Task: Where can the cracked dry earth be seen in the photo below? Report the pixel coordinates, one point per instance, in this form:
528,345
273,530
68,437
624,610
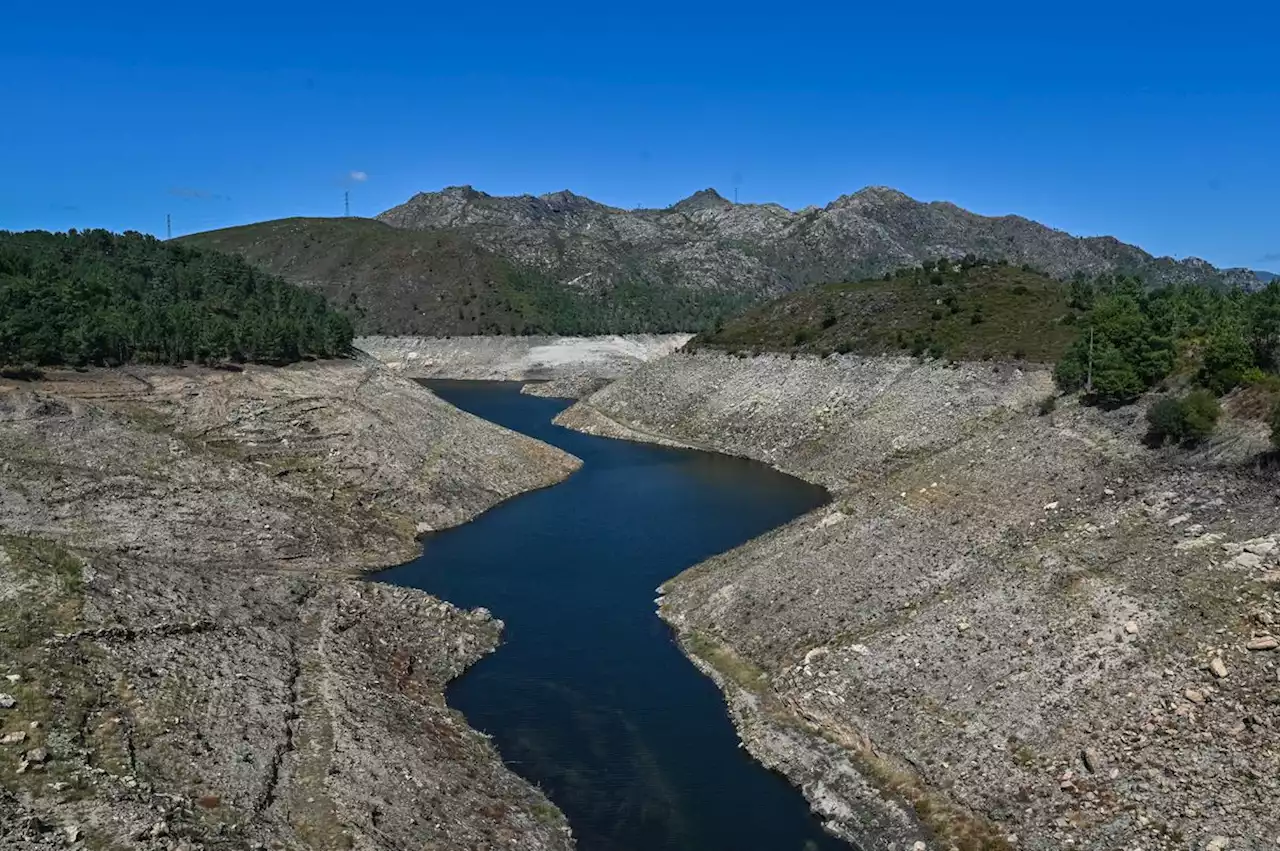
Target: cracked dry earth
1007,630
189,660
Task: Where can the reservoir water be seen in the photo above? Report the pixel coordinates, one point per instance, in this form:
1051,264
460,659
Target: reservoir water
589,696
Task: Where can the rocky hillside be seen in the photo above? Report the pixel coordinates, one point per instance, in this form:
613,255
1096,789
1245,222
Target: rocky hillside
708,242
961,311
442,282
189,660
460,261
1012,629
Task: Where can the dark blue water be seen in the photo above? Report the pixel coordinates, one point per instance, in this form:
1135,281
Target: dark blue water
589,696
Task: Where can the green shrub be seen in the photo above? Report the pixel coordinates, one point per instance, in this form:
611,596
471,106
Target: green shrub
1201,411
1227,355
1187,420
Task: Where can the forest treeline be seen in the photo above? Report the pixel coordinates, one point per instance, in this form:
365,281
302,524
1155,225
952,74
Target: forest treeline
96,297
1131,339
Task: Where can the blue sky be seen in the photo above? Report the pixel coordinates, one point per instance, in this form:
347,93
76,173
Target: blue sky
1157,125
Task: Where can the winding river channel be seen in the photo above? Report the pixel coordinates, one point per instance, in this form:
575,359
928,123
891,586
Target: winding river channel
589,696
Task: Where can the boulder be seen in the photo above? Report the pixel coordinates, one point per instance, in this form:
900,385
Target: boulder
1262,642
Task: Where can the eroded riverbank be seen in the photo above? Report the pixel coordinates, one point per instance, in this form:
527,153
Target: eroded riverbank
190,661
570,365
1009,630
589,696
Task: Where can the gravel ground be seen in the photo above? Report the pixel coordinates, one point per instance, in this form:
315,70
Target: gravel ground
189,660
520,358
1008,630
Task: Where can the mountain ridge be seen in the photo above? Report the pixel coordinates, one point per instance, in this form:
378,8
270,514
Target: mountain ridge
699,241
462,261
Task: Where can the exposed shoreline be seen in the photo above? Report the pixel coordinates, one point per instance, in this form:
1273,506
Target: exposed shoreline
243,688
963,519
1002,633
572,360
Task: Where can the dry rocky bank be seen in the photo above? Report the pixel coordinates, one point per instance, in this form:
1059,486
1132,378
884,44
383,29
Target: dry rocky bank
189,660
568,367
1007,630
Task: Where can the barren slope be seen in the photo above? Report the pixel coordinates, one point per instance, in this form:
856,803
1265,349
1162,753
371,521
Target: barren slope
1003,632
190,664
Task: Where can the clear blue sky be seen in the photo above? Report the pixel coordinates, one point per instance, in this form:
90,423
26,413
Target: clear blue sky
1157,125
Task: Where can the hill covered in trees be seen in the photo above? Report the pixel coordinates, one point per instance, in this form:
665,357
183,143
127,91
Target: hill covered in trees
95,297
394,281
460,261
966,309
1132,339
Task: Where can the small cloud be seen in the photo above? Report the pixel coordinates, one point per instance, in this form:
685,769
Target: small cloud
359,176
196,194
1273,257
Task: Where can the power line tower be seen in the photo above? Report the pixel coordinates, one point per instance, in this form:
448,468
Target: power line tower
168,226
346,203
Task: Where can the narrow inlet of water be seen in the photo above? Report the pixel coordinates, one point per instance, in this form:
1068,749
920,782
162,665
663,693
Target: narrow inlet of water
589,696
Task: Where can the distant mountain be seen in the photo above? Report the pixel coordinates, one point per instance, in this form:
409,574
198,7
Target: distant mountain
709,242
1265,277
461,261
394,281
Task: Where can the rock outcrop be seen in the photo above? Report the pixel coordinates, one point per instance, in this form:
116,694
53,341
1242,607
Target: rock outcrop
1008,630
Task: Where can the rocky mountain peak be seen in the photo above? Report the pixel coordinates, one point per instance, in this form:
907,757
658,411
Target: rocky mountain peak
703,199
885,193
754,250
566,201
466,192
